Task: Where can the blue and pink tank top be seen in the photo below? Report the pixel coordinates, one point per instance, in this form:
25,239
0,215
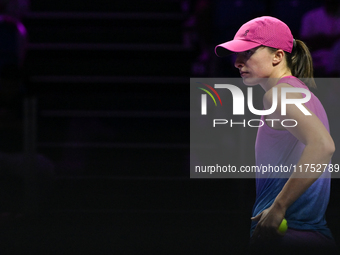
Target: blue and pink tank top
280,147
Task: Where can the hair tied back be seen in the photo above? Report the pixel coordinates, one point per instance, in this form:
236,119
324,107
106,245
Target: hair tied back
294,43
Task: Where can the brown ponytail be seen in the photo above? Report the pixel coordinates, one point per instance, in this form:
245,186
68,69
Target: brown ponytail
300,63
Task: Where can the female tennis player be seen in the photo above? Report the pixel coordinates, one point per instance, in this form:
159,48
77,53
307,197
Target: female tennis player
268,55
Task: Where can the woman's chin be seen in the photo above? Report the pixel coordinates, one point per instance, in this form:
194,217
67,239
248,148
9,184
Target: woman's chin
250,81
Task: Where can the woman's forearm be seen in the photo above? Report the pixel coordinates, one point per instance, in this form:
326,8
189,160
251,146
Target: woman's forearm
305,176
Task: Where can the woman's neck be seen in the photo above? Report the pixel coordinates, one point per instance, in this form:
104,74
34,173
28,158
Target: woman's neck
272,81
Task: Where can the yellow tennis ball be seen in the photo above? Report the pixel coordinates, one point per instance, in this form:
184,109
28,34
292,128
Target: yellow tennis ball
283,226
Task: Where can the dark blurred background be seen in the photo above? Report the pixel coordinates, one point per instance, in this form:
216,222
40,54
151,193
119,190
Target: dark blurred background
95,106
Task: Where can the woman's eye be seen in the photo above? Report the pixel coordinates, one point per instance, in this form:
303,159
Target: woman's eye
246,53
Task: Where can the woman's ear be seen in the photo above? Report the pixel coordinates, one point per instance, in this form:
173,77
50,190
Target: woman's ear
278,57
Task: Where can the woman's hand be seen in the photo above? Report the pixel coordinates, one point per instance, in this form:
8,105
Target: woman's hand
269,221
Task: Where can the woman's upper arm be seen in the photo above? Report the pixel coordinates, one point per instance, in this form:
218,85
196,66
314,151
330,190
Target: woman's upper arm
309,128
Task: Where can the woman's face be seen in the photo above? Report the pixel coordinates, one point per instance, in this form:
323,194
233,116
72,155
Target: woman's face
254,65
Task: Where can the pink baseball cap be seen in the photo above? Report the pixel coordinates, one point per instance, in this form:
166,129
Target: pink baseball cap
265,30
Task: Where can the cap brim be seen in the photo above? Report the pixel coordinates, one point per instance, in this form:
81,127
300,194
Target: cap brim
228,48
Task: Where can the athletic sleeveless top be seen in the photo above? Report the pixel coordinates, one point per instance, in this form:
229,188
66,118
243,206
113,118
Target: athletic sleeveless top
280,147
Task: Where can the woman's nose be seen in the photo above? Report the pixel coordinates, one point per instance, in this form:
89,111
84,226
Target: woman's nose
239,61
